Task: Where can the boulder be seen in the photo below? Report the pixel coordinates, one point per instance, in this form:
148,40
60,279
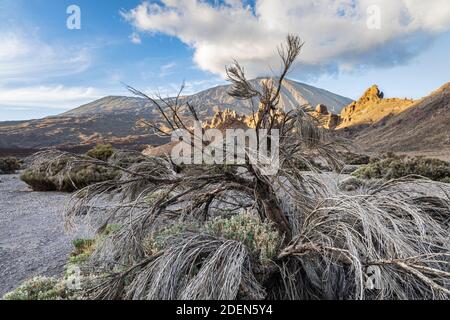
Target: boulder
333,121
321,109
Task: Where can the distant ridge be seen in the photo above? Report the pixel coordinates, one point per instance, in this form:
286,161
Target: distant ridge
293,94
115,119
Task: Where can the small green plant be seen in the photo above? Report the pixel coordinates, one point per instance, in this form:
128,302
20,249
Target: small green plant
9,165
259,237
83,250
40,288
101,152
85,247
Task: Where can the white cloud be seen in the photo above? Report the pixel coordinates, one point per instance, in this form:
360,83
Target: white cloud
335,32
166,69
53,96
135,38
25,58
168,66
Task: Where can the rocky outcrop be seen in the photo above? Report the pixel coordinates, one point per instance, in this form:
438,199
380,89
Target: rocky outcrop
327,119
371,108
333,121
227,119
321,109
372,94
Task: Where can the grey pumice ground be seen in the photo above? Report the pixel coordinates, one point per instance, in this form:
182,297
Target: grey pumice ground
32,237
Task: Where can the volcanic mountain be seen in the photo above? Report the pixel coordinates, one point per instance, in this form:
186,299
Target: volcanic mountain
117,119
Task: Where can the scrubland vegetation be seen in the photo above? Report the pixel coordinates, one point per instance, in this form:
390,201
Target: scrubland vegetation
231,232
54,170
392,166
9,165
40,288
101,152
351,158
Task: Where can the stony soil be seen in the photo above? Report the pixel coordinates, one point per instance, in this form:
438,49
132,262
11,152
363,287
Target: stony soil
32,237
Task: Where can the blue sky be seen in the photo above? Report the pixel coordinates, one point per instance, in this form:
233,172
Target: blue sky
46,68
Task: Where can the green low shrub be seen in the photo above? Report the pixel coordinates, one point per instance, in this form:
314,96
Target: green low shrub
394,167
83,250
101,152
63,177
54,170
40,288
259,237
9,165
64,172
126,158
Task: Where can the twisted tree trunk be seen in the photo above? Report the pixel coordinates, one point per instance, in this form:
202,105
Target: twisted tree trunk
267,200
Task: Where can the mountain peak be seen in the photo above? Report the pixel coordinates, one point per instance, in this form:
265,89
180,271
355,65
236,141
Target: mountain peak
293,95
372,94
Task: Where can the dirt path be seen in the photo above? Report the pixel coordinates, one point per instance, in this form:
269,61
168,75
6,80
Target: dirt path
32,237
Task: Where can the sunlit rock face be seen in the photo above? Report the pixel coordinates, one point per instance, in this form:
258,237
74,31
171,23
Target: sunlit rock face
322,109
371,108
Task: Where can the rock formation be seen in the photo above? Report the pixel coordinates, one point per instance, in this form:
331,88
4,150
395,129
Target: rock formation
371,108
227,119
327,119
321,109
333,121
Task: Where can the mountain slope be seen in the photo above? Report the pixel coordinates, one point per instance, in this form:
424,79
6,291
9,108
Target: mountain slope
293,94
371,108
423,127
110,104
115,119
